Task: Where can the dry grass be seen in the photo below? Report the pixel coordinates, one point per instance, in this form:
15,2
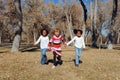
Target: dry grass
97,65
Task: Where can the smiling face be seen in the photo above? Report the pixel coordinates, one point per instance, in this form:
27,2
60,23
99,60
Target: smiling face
78,34
57,33
44,33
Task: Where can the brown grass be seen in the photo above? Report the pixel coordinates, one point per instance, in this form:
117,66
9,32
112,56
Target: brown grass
97,65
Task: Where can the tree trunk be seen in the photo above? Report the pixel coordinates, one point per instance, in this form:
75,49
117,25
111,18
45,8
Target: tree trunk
18,29
95,33
95,14
91,14
69,25
85,16
0,37
0,40
114,14
118,39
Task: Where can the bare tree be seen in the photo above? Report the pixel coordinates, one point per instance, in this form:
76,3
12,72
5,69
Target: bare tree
18,26
85,16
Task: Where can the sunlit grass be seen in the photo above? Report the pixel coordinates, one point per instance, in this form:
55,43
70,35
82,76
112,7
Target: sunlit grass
97,65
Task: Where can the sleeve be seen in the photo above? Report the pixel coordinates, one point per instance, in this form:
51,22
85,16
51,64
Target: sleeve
64,41
47,40
83,43
70,41
38,40
50,42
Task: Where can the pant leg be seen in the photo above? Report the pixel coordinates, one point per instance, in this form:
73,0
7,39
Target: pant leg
59,59
54,58
43,56
76,55
79,52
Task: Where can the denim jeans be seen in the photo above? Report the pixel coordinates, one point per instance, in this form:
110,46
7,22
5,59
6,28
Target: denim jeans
78,52
43,56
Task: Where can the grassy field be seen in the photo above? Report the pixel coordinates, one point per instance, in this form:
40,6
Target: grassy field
96,65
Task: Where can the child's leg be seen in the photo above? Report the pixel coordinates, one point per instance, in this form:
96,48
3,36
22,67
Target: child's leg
54,58
59,59
79,52
76,56
43,56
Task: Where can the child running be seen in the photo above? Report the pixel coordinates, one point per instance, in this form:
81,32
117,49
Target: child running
55,46
44,40
79,44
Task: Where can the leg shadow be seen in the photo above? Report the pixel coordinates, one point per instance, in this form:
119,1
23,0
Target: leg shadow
79,61
50,61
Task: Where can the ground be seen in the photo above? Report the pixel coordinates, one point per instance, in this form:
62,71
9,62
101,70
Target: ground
96,64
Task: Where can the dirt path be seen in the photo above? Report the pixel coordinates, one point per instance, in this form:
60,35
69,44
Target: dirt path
96,65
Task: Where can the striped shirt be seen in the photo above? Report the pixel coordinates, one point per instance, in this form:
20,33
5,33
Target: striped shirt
55,43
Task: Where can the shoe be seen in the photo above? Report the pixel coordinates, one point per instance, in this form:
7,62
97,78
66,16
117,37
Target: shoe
53,67
76,65
60,62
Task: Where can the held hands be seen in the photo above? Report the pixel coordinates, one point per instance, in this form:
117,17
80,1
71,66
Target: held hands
49,48
34,44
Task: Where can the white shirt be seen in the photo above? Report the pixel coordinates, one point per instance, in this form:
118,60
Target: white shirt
43,41
79,42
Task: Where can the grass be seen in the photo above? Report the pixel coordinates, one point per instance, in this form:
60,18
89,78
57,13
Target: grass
97,65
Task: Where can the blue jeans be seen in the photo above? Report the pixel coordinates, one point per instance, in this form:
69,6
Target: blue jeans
78,52
43,56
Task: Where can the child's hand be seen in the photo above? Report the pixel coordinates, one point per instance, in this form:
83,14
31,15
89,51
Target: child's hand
65,46
34,44
49,48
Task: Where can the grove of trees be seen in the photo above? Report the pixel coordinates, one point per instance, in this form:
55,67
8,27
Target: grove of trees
22,20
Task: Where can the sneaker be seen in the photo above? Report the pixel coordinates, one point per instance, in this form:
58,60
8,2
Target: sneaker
53,67
60,62
76,65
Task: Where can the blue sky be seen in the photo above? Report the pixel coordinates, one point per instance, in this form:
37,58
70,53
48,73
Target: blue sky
87,2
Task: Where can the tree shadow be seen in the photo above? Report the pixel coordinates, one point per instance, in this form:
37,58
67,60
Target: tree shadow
29,49
73,60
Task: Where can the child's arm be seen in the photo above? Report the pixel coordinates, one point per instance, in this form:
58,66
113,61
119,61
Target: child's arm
50,43
83,43
64,41
37,40
70,41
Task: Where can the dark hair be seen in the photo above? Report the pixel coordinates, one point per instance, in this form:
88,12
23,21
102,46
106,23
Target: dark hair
77,30
80,31
45,30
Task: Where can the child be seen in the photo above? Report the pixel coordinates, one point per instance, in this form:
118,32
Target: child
44,40
79,44
55,46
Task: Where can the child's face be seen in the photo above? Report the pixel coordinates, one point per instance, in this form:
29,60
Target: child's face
44,33
78,34
57,32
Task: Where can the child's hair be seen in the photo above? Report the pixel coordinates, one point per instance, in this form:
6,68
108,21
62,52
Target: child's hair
80,31
57,29
77,30
45,30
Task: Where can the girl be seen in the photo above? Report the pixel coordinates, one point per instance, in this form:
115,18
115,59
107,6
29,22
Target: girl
79,44
55,46
44,40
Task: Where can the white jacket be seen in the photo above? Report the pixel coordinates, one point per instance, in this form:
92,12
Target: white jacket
79,42
43,41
